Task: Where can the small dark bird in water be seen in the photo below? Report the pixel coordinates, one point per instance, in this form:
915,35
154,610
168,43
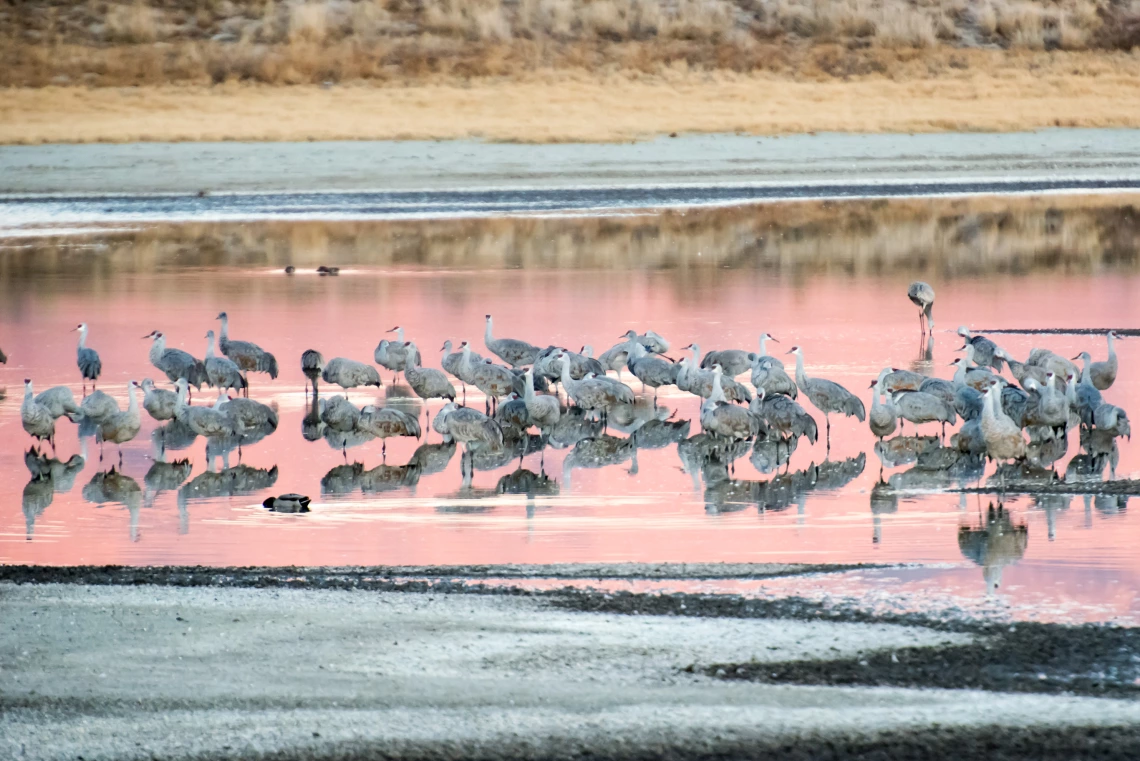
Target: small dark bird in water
288,503
323,270
290,270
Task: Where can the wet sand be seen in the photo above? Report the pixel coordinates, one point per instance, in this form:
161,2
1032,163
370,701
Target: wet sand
158,671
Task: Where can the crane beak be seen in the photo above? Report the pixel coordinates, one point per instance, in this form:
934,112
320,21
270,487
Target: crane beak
393,330
773,340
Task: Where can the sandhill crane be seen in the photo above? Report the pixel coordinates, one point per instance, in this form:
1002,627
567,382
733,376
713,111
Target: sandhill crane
1003,437
1053,407
918,408
974,377
427,382
88,359
922,296
985,351
1052,362
884,417
827,396
454,364
733,362
122,426
784,415
544,411
175,363
339,414
250,414
650,370
653,343
1022,371
393,355
512,416
512,351
696,381
312,365
548,365
1100,374
724,419
495,381
348,373
615,357
204,421
469,427
1083,397
594,393
900,380
97,407
36,417
383,422
249,357
60,401
768,372
940,387
159,403
223,372
1112,419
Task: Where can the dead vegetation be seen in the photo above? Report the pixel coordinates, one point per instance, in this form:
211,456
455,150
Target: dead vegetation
315,41
936,238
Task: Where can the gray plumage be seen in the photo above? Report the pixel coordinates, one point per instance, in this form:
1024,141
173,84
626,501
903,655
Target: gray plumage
1084,398
249,357
943,389
384,422
732,361
543,411
827,396
700,382
98,406
884,416
339,414
430,459
495,381
287,503
59,401
784,415
768,373
651,370
469,427
901,380
122,426
222,372
548,364
653,343
969,438
250,414
918,408
62,474
512,416
453,362
968,402
985,351
348,373
977,378
512,351
572,427
922,296
88,359
595,393
35,417
160,403
427,382
1112,419
204,421
1100,375
1021,371
1052,362
393,355
175,363
312,365
729,420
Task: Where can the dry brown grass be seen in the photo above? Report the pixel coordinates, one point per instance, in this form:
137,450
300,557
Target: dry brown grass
124,42
1037,90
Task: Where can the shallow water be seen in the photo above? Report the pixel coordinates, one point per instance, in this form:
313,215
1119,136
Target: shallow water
1077,563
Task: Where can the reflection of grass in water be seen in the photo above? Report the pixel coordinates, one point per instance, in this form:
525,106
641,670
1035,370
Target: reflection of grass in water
948,237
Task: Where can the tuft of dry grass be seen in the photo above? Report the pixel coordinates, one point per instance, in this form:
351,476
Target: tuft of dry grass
125,42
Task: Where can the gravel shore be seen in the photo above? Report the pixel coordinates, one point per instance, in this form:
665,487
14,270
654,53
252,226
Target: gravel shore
126,671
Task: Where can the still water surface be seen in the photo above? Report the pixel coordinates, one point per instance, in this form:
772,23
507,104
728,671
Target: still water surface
1078,560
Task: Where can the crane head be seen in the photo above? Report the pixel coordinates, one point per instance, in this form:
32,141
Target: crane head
222,316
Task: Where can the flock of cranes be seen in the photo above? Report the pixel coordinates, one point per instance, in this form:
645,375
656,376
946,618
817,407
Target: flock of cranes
747,398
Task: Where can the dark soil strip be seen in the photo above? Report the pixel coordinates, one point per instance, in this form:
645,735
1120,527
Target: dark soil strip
368,575
993,743
1100,662
1062,331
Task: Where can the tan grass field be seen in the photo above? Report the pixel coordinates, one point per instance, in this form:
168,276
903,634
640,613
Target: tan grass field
578,106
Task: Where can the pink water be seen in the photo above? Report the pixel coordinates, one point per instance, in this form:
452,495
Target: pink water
849,329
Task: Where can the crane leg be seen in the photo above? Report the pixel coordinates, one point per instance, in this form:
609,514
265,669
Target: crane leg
828,419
